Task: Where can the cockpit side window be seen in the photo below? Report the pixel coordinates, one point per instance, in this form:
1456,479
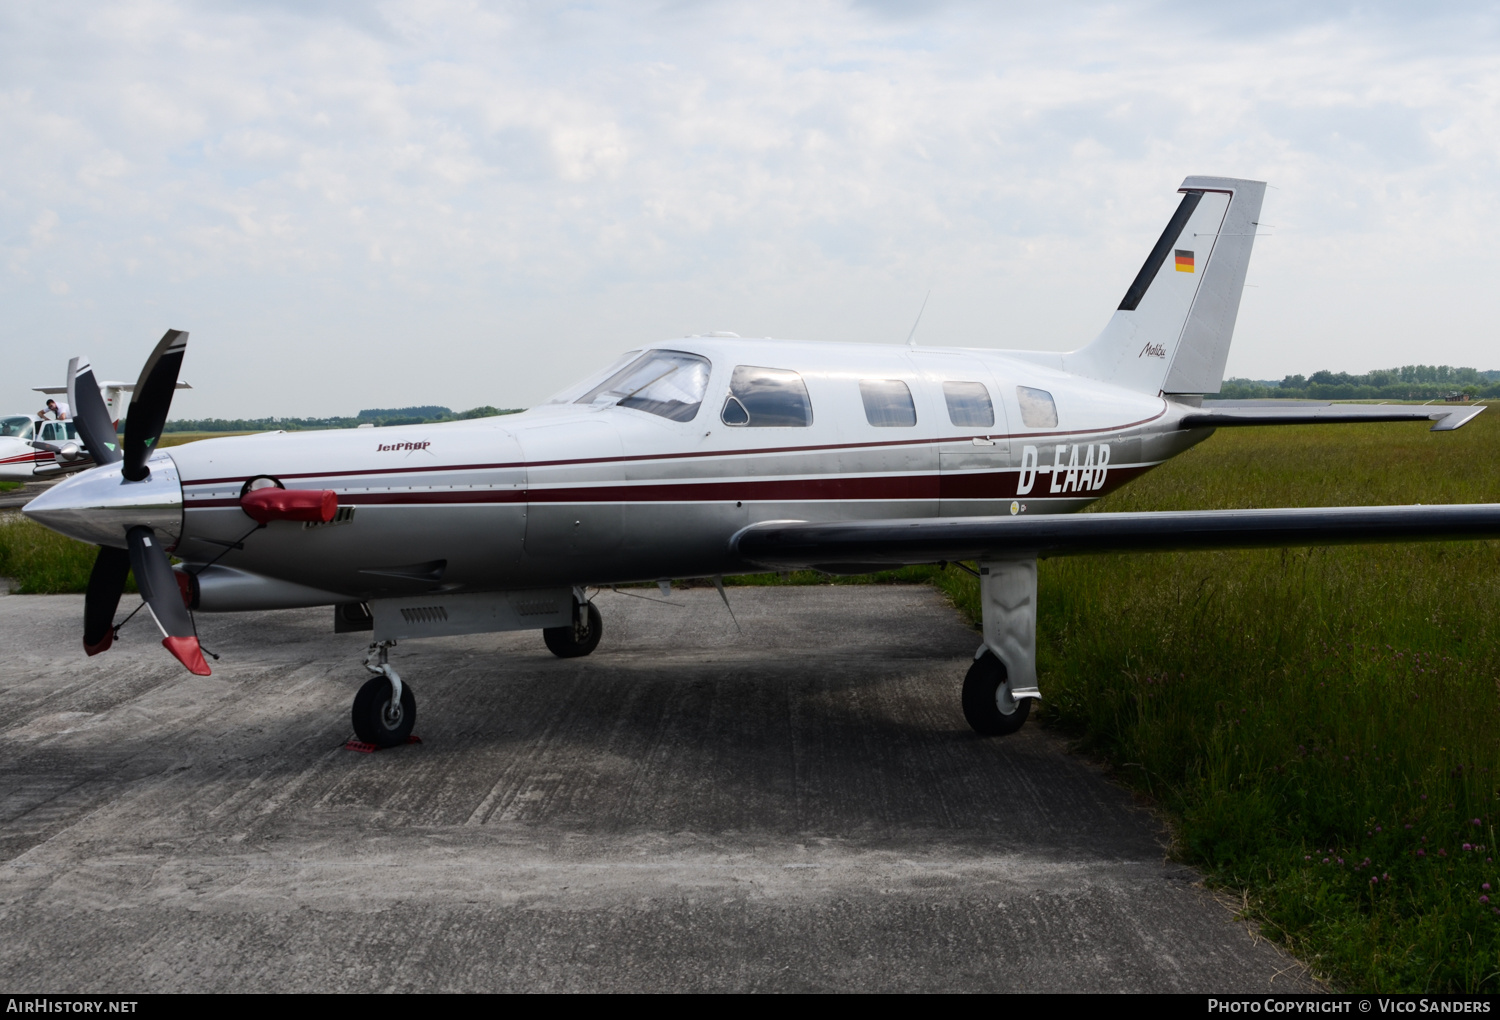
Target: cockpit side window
18,427
888,403
766,398
969,404
666,383
1038,410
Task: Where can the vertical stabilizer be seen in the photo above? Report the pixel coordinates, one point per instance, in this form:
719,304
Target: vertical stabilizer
1171,332
116,397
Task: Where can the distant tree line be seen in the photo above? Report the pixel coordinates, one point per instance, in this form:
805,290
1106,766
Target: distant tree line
1411,382
380,417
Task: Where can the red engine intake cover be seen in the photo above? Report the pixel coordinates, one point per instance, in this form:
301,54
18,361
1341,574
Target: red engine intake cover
273,504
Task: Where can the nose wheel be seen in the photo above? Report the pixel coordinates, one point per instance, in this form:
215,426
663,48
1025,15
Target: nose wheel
384,709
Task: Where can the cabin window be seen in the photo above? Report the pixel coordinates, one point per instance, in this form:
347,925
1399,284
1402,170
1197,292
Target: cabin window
15,428
1038,410
969,404
666,383
888,403
766,398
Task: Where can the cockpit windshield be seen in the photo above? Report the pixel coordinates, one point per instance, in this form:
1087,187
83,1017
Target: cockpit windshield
666,383
18,427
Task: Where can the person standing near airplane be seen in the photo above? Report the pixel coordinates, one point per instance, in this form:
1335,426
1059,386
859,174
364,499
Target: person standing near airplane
52,412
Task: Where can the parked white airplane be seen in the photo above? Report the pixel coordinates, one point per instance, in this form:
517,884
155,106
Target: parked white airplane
710,456
34,447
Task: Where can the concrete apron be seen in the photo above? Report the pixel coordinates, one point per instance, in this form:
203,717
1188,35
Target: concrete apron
797,805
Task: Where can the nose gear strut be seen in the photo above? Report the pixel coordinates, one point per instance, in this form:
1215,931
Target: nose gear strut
380,652
384,709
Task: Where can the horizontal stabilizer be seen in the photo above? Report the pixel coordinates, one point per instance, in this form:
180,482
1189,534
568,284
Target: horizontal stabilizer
127,387
1448,417
859,546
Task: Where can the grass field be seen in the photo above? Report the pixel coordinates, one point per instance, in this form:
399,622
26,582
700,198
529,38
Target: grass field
1321,727
178,438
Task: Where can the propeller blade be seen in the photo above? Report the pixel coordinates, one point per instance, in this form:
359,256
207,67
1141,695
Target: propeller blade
106,582
159,588
150,403
90,414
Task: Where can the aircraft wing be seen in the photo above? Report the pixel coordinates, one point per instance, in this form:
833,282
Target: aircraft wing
1447,416
861,546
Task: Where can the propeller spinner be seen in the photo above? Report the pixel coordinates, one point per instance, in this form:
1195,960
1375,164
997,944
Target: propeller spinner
130,505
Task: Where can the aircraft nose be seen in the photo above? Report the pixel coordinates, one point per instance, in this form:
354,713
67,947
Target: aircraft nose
99,505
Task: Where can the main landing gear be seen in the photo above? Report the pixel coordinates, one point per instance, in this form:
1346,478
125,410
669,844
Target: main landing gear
988,703
579,637
384,709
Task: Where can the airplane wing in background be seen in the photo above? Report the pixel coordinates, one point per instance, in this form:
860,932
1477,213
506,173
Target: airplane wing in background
863,546
1219,414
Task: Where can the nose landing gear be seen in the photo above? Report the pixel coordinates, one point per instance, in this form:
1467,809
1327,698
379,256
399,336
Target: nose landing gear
384,709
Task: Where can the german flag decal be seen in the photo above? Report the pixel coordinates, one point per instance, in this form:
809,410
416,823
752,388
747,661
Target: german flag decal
1184,261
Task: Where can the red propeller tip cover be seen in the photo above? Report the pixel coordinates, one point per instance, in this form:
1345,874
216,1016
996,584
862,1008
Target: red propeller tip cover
103,644
273,504
187,652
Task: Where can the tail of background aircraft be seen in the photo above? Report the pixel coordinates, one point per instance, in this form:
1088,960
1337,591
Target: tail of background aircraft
1171,333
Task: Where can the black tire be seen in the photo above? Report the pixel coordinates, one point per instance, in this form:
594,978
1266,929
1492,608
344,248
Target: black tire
988,706
571,641
372,720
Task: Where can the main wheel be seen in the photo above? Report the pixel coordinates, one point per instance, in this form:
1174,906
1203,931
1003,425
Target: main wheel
988,706
377,719
573,640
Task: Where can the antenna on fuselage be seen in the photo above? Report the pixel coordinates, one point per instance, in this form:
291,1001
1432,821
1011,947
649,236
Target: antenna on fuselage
911,338
718,580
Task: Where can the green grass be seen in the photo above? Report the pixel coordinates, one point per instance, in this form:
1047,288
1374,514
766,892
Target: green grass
42,562
179,438
10,486
1287,707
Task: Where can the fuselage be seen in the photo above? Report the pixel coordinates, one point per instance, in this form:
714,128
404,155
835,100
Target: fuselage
22,460
600,493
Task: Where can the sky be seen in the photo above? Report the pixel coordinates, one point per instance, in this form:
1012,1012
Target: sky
357,204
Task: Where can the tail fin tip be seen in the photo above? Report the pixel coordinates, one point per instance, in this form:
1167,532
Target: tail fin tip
1171,333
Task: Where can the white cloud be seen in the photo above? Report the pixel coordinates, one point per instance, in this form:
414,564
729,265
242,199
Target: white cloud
354,205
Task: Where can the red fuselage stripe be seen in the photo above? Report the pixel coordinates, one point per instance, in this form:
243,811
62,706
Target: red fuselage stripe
969,485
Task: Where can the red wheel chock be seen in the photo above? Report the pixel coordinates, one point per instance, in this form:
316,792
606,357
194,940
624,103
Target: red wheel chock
364,748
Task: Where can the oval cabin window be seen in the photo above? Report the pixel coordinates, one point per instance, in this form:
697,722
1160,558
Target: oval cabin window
1038,410
969,404
888,403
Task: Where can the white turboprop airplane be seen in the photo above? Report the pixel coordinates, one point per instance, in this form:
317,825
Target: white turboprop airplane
33,447
709,456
